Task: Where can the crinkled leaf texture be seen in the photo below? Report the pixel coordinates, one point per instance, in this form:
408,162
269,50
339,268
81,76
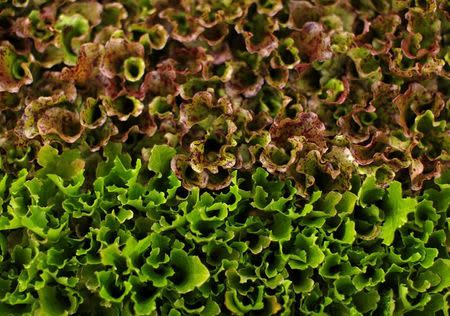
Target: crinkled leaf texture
130,240
224,157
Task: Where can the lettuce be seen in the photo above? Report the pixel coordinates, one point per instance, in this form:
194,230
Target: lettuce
134,240
204,157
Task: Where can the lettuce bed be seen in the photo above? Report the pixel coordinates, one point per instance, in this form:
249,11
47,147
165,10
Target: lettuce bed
248,157
134,242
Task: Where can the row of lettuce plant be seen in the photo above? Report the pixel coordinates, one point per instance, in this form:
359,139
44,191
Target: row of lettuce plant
310,82
123,237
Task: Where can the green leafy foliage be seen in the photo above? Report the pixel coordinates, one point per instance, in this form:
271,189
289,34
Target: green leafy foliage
128,243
